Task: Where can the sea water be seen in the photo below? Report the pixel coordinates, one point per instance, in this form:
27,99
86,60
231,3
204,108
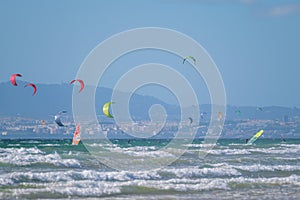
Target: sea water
54,169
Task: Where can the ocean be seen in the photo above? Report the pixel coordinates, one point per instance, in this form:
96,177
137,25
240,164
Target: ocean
54,169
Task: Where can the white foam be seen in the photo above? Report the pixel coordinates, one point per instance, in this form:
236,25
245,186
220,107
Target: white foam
117,147
259,167
21,150
280,149
151,154
87,183
272,150
108,145
290,145
49,145
74,175
28,156
141,148
15,177
193,172
72,188
276,150
13,145
184,184
290,180
30,141
229,151
117,176
199,145
286,158
148,151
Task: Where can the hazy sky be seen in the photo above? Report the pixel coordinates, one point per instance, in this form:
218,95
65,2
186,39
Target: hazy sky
255,43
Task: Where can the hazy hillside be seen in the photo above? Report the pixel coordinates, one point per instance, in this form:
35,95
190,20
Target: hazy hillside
51,98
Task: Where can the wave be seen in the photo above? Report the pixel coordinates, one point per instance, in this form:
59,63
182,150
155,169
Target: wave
72,175
290,145
14,145
259,167
92,188
48,145
79,176
151,154
199,145
137,151
221,183
229,151
251,150
276,150
115,176
28,156
115,146
63,189
21,150
193,172
30,141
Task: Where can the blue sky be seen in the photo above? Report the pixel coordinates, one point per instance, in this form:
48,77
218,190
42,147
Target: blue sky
254,43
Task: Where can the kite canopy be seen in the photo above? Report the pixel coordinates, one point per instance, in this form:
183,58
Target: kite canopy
13,79
259,108
32,85
81,83
238,112
57,118
191,120
105,109
189,57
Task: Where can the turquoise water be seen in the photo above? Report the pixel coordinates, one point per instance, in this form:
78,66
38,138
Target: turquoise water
54,169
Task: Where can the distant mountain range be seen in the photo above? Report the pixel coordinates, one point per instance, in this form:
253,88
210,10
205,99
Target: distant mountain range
51,98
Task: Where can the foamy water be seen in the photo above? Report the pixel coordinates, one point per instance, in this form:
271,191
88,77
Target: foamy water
55,169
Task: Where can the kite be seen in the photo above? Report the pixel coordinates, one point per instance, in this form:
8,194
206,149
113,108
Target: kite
105,109
191,57
238,112
259,108
191,120
57,118
13,79
34,87
81,83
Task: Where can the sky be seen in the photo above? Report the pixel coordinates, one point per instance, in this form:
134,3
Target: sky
254,43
